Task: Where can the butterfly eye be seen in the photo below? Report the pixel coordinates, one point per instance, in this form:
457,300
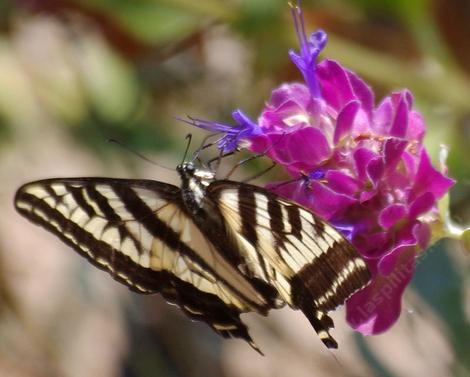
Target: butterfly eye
190,168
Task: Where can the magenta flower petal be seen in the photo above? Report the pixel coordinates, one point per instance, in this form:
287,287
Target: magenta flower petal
314,195
421,205
362,92
410,162
260,143
383,117
415,235
362,158
335,85
345,120
308,145
429,179
400,122
393,151
296,191
279,153
299,149
290,106
390,215
375,169
375,308
406,94
422,234
326,202
416,127
388,262
372,245
342,183
297,93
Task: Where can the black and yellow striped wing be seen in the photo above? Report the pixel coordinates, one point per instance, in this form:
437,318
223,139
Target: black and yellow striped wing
243,249
310,264
140,232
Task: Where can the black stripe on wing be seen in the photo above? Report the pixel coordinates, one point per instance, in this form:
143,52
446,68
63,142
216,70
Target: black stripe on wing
247,209
54,213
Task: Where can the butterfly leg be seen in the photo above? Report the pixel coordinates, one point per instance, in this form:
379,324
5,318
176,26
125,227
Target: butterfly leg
257,175
258,155
218,159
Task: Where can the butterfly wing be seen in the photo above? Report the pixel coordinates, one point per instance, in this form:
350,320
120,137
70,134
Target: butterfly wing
140,232
313,267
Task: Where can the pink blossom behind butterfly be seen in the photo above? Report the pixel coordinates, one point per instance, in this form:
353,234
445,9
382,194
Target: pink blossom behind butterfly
361,166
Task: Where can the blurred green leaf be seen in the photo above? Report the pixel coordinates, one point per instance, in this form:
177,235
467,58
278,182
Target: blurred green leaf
450,88
111,83
161,22
373,362
263,24
466,240
389,9
5,130
439,283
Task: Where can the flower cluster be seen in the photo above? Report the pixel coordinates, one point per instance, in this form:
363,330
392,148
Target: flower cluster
361,167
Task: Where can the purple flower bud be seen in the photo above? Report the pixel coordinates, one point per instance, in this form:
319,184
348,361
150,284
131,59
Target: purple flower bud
309,51
232,135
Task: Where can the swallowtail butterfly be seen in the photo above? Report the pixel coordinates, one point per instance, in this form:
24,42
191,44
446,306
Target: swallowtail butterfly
216,248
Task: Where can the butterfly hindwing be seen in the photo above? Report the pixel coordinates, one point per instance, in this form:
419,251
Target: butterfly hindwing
140,233
313,267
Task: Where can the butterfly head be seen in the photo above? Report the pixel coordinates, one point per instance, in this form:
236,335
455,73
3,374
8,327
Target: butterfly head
186,169
188,172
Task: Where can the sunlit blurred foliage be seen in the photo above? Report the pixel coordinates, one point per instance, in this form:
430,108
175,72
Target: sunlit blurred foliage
76,73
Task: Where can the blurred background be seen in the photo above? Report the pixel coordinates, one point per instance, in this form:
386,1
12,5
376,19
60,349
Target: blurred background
74,73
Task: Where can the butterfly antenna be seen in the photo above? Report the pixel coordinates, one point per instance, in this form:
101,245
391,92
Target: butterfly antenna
189,138
134,152
205,145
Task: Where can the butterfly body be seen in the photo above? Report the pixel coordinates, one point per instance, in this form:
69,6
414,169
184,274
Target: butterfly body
216,248
193,185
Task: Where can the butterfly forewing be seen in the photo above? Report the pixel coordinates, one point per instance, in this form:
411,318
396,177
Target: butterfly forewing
140,232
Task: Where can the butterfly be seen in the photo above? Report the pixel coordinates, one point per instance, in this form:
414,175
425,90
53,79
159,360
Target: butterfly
215,248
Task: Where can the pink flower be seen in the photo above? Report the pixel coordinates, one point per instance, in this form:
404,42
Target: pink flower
359,166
